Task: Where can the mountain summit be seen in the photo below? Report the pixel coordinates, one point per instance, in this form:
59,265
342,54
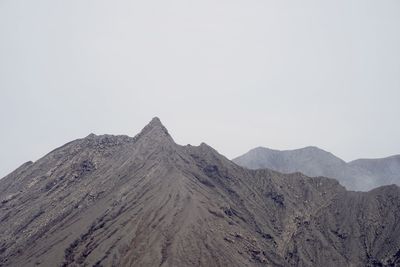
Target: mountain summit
155,126
147,201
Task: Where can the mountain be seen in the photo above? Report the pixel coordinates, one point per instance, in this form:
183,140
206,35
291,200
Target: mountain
383,171
359,175
147,201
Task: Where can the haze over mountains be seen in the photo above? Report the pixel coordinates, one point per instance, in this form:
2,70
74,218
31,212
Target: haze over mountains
359,175
147,201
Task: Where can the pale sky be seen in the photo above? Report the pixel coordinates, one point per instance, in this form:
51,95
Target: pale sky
234,74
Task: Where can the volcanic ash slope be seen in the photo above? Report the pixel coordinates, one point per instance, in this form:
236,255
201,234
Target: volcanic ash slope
146,201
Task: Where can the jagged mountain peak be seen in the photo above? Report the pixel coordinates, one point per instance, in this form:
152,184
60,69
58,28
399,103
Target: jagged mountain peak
155,130
156,123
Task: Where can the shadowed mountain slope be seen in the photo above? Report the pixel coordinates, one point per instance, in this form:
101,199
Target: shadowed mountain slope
359,175
146,201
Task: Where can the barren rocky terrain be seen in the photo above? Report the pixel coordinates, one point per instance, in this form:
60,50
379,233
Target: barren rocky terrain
357,175
147,201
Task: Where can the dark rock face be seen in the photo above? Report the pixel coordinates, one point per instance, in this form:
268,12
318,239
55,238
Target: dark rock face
146,201
358,175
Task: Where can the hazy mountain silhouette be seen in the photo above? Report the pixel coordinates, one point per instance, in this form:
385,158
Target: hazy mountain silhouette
358,175
146,201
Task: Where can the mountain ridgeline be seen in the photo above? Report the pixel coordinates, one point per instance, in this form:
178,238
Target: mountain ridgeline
358,175
147,201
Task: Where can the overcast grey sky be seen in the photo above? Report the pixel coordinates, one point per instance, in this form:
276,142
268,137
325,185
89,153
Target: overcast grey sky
233,73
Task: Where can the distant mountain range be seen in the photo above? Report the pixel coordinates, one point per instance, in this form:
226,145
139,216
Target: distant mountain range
146,201
359,175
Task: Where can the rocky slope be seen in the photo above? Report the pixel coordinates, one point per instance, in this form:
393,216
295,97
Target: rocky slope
146,201
358,175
